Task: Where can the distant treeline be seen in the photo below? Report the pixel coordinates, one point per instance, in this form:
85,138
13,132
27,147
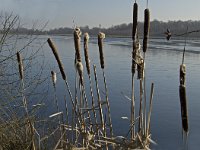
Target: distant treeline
157,29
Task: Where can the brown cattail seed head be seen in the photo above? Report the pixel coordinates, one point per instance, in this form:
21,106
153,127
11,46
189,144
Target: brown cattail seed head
146,28
87,61
20,63
54,78
55,52
184,112
79,67
182,74
101,36
135,20
77,40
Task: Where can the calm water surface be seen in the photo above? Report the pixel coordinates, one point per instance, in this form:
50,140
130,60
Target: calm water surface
162,68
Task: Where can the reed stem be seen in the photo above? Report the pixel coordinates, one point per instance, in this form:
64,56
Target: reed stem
140,126
132,110
150,109
108,105
99,101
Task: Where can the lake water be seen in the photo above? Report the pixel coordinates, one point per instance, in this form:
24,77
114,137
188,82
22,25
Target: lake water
163,59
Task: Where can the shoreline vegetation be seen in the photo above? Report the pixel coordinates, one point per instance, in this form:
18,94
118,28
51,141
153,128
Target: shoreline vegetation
85,122
123,30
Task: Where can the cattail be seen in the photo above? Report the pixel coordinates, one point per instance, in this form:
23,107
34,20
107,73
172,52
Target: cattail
183,102
55,52
79,67
183,98
20,63
101,36
135,20
87,61
54,78
146,29
77,40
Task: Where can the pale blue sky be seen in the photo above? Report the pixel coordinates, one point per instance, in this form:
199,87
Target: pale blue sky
61,13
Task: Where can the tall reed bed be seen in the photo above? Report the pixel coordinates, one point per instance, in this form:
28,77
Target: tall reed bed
91,124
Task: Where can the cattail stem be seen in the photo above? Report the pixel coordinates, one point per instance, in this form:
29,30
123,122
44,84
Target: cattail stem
99,101
140,109
145,102
132,110
77,112
93,104
150,109
108,105
86,102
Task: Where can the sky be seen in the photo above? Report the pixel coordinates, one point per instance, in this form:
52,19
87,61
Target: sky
66,13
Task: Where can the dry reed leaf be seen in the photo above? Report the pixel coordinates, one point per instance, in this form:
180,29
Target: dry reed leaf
56,114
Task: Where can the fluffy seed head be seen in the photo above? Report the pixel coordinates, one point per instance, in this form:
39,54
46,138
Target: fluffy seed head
79,67
102,35
86,36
